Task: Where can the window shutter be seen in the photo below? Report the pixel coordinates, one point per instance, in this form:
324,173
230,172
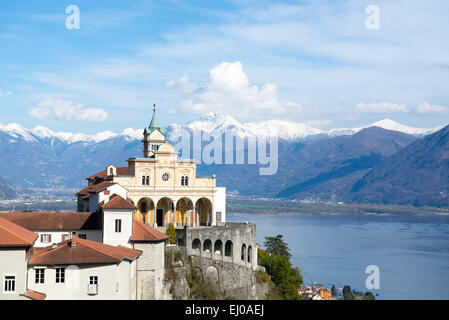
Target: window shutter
42,238
49,237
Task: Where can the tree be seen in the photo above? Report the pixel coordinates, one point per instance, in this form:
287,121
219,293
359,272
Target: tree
172,233
276,260
347,293
334,291
277,246
369,296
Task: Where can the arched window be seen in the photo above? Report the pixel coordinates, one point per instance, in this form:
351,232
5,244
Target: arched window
143,180
186,181
218,247
148,180
196,244
207,245
250,253
182,180
243,252
111,171
228,248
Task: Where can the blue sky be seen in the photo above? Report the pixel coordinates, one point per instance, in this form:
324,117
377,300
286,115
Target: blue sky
306,61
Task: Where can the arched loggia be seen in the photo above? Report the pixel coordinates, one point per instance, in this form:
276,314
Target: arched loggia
204,209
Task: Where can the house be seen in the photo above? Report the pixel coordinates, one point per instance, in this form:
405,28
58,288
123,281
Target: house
16,244
82,269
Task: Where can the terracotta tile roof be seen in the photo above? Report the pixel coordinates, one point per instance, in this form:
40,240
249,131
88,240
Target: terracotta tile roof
85,252
34,295
144,233
13,235
55,220
121,171
95,187
117,202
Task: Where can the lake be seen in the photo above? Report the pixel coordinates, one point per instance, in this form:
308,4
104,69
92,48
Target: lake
412,253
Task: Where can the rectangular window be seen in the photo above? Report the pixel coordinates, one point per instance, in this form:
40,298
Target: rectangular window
45,238
39,275
92,288
60,275
118,225
82,236
9,284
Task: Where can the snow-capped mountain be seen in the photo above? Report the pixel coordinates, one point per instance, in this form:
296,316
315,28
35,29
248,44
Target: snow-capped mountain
310,159
211,123
215,123
386,124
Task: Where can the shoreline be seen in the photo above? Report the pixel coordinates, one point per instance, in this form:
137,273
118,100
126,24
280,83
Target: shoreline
289,207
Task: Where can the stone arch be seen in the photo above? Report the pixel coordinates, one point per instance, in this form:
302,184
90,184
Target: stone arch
212,275
228,248
243,252
218,247
196,244
207,245
204,208
250,254
145,211
184,210
164,211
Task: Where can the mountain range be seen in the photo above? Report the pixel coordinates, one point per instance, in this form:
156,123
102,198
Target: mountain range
418,175
332,164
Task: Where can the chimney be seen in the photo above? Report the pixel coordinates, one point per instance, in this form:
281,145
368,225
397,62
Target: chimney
106,195
73,242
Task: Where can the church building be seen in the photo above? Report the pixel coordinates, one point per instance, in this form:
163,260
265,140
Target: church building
164,188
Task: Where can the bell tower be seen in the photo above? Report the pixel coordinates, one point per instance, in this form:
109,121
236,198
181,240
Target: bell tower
153,137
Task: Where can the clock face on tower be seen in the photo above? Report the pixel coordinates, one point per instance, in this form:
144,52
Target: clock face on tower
165,177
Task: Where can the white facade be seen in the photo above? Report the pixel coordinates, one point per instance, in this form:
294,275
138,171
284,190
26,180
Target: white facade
13,266
114,282
220,204
59,236
103,195
110,235
150,268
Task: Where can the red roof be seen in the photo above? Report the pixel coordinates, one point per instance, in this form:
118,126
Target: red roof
117,202
121,171
13,235
95,187
34,295
85,252
55,220
144,233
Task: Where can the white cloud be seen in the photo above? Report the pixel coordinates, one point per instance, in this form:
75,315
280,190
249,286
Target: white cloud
382,107
66,110
5,93
425,108
228,90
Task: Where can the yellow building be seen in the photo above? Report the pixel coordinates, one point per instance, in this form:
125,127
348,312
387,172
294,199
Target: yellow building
326,294
164,188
